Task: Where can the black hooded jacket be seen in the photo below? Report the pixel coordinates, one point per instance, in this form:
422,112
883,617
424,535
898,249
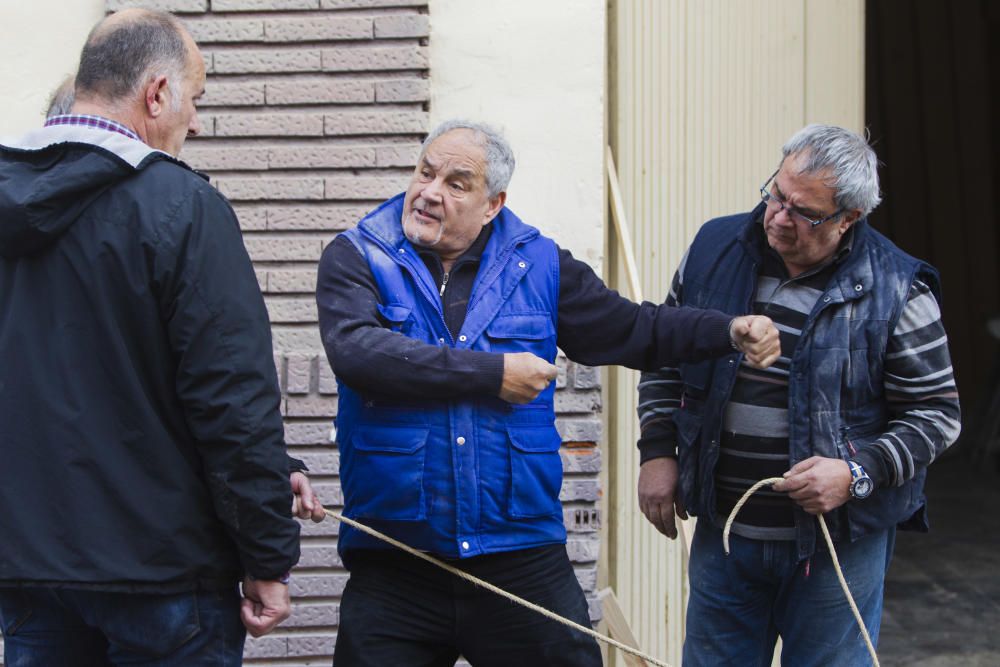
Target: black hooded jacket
141,444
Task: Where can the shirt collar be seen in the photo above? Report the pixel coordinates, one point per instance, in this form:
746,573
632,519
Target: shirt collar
98,122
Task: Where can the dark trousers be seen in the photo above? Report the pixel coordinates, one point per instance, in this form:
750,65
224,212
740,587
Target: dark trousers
77,628
400,610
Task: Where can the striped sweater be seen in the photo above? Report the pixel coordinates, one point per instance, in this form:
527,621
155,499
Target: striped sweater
919,387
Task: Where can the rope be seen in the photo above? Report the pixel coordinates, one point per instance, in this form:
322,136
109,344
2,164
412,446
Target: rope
833,555
499,591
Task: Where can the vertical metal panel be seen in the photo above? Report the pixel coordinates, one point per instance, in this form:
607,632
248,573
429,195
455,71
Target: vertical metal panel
703,94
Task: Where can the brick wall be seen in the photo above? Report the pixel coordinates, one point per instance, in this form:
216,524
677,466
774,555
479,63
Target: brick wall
313,114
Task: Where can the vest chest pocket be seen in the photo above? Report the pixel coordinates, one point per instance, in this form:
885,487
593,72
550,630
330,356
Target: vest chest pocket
383,473
399,318
520,332
535,471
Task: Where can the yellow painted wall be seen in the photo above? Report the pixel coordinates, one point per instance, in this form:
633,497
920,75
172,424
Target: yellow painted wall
702,95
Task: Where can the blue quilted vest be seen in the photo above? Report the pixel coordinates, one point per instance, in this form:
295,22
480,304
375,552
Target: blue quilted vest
457,478
835,393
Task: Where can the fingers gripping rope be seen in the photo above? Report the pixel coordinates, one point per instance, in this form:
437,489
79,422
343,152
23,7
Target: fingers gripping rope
833,554
499,591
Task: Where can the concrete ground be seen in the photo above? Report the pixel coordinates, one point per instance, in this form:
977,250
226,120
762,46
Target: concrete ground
942,600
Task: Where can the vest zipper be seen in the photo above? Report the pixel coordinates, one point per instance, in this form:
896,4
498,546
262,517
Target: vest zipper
444,283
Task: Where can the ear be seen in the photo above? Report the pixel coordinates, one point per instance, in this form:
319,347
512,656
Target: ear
496,203
156,96
848,220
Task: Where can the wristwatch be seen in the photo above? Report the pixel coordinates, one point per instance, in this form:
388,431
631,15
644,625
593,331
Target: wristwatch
861,484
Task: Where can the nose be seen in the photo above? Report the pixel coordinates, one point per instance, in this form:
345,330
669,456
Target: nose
194,127
783,211
432,191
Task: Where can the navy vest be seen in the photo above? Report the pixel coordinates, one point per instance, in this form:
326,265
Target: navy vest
835,392
466,477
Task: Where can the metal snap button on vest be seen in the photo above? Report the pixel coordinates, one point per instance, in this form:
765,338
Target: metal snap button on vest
826,299
521,264
857,288
463,338
460,440
441,340
402,251
465,545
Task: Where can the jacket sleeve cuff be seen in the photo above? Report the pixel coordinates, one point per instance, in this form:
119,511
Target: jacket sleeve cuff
874,463
296,465
489,368
656,442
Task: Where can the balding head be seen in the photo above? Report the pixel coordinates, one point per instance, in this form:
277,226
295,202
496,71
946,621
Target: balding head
128,48
141,68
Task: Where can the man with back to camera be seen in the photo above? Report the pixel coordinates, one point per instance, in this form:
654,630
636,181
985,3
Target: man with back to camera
144,469
441,312
861,401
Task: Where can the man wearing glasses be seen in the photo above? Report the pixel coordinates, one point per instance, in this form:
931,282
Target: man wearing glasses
861,400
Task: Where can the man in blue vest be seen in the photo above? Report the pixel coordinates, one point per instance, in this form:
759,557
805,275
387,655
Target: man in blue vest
441,313
861,400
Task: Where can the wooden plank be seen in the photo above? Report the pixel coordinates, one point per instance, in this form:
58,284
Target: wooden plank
622,229
618,626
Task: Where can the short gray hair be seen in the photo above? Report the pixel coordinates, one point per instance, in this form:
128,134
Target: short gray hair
62,98
499,156
847,155
119,56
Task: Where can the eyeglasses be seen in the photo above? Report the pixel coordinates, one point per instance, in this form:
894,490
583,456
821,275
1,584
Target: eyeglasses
770,198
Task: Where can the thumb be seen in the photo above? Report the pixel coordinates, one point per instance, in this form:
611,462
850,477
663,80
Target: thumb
758,327
801,467
552,372
739,329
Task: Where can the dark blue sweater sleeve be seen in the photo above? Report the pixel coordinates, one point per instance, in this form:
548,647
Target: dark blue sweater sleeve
598,326
371,358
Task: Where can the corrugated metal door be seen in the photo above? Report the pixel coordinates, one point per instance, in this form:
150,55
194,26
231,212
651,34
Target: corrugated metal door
702,95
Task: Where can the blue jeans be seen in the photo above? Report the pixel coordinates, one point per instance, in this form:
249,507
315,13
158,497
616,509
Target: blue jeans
78,628
741,603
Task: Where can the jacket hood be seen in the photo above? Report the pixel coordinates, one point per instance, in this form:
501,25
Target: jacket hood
50,176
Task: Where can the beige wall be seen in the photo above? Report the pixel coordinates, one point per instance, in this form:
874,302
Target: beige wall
40,44
536,70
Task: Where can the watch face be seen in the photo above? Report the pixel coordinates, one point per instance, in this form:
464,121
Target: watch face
862,487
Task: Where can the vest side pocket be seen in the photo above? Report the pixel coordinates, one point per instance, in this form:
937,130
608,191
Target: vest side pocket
383,472
689,456
535,471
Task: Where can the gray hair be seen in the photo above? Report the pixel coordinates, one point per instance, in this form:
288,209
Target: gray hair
120,55
62,98
499,156
849,158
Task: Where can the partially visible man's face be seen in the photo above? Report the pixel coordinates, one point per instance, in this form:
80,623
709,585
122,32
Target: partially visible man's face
447,202
800,245
180,121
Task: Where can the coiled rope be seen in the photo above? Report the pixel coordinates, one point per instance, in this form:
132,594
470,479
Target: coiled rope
833,555
499,591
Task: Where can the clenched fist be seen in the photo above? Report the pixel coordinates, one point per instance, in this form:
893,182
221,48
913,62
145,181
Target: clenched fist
525,376
756,337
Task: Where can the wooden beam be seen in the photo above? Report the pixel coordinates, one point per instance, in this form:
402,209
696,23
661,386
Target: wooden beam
618,626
